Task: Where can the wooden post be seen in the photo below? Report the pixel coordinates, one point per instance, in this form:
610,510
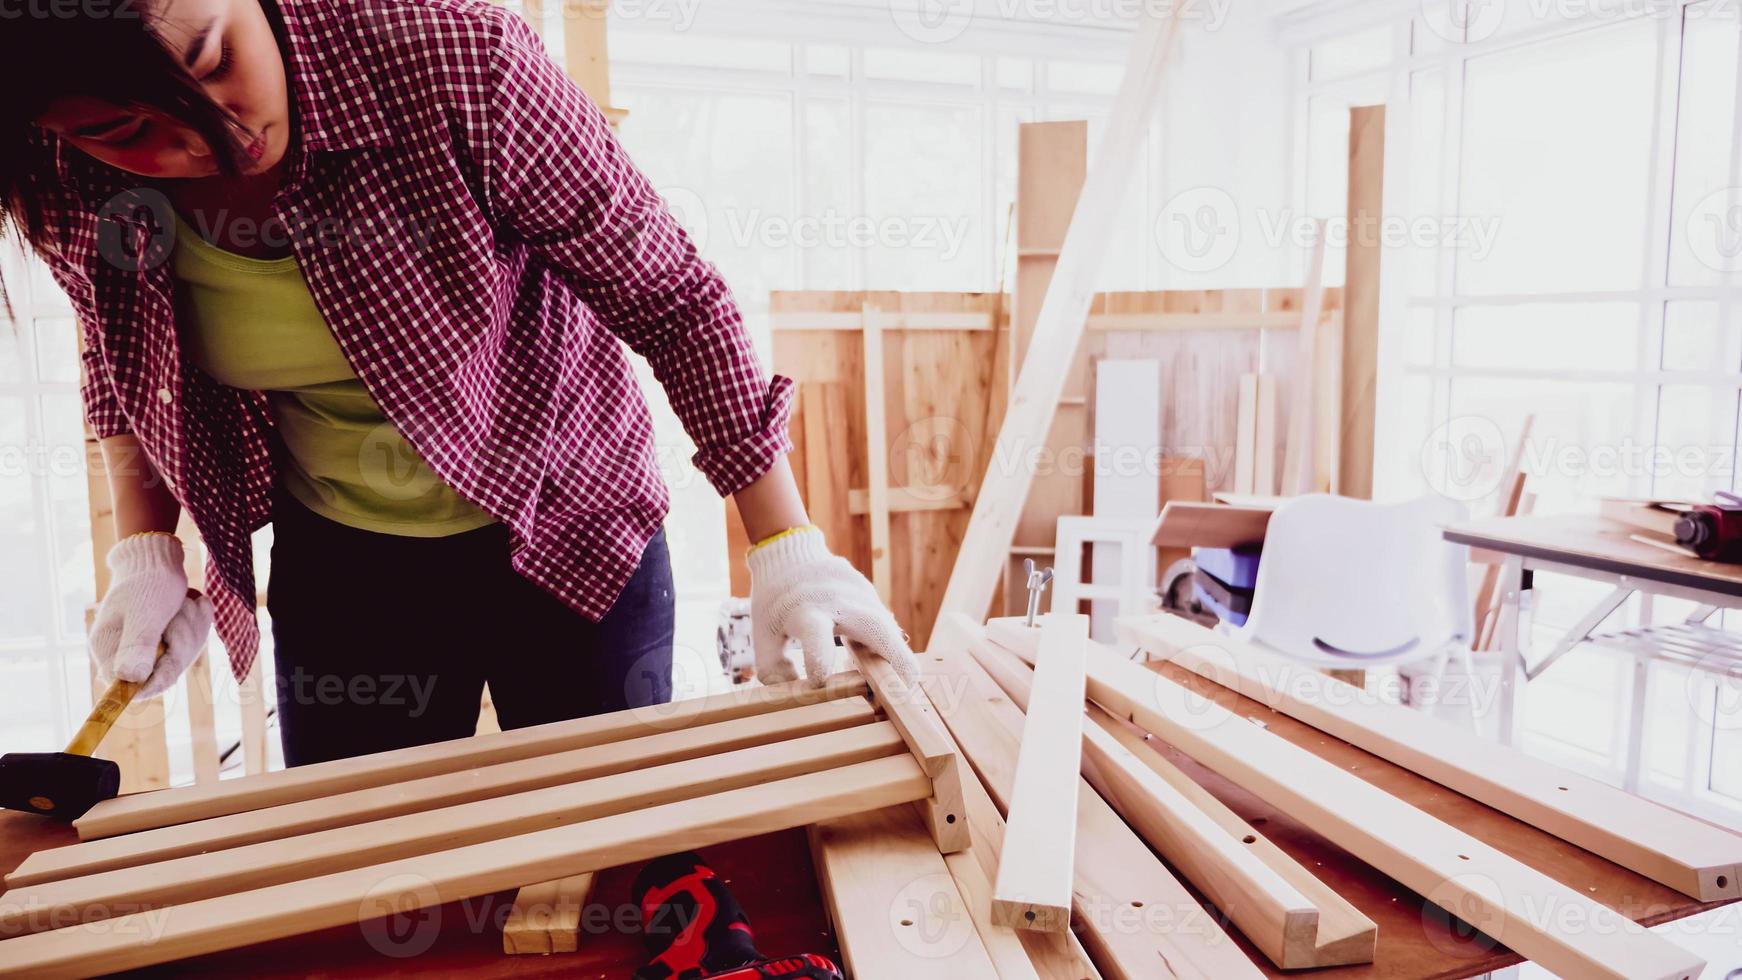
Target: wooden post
1360,359
876,447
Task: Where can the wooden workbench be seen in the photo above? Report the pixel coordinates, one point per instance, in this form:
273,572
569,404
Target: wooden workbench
773,878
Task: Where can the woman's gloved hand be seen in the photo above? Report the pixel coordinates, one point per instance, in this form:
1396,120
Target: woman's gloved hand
148,603
799,589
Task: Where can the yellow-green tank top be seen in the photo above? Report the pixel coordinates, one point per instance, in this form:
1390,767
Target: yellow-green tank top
252,323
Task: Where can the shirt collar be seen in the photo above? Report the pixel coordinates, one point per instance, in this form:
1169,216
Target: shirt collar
330,83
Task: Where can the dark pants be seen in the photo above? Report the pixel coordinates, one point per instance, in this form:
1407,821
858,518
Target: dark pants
383,641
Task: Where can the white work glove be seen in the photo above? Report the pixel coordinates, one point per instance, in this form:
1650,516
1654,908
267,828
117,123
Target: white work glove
148,603
799,590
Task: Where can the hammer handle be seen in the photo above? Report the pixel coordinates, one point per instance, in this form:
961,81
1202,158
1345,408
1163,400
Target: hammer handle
109,707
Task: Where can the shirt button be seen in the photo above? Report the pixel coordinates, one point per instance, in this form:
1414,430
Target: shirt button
164,396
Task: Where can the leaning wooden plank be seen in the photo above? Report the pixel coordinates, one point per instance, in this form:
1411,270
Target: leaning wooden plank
896,910
1051,350
546,917
142,811
362,894
1298,454
1292,917
1191,524
446,789
52,904
876,449
1687,854
917,721
1135,919
1033,890
1017,954
1502,897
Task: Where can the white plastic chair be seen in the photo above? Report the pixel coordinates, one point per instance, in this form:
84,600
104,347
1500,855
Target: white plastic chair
1350,584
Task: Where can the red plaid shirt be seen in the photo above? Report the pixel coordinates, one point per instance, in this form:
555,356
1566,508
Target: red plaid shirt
479,244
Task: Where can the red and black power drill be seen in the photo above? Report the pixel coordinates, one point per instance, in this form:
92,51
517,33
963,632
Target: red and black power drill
695,929
1713,531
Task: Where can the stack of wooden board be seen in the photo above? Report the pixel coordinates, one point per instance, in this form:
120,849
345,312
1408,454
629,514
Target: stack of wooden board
161,876
1280,907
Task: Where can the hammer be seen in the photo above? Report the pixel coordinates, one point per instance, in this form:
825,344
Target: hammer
66,784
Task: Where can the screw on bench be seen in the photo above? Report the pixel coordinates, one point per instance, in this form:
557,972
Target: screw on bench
1037,583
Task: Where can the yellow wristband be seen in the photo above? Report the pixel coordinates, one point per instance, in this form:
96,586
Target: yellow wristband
143,534
777,536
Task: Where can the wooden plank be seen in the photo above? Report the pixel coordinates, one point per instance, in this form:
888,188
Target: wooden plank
1017,954
896,910
1061,321
917,720
430,792
803,320
1264,437
1361,270
1134,918
1498,895
825,473
251,694
1246,435
904,500
347,898
1167,322
876,450
1033,890
140,812
1292,917
546,917
1185,524
272,860
1298,455
1682,852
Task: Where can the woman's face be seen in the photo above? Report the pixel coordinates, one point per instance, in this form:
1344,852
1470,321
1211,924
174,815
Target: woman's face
228,45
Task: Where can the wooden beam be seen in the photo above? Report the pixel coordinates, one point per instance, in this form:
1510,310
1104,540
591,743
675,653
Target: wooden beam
1500,896
1360,357
1017,954
1682,852
1298,454
362,894
1166,322
984,552
895,908
891,320
1188,524
825,417
203,875
143,811
917,721
903,500
1135,919
546,917
1292,917
1246,434
876,451
432,792
1033,889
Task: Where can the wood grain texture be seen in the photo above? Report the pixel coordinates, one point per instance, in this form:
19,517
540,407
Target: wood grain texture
1361,270
1033,888
1481,885
1680,851
363,894
1296,920
546,917
431,792
917,720
197,876
1135,919
127,814
896,909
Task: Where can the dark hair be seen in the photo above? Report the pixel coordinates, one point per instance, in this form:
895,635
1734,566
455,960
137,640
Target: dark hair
103,49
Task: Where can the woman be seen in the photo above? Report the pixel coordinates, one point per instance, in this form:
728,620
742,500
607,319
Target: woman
361,269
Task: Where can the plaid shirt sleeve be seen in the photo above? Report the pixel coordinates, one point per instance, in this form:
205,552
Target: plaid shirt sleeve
96,386
555,175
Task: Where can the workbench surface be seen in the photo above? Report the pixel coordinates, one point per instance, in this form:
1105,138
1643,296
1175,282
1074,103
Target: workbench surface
773,878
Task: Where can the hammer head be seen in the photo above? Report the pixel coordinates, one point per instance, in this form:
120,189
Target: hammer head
56,784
